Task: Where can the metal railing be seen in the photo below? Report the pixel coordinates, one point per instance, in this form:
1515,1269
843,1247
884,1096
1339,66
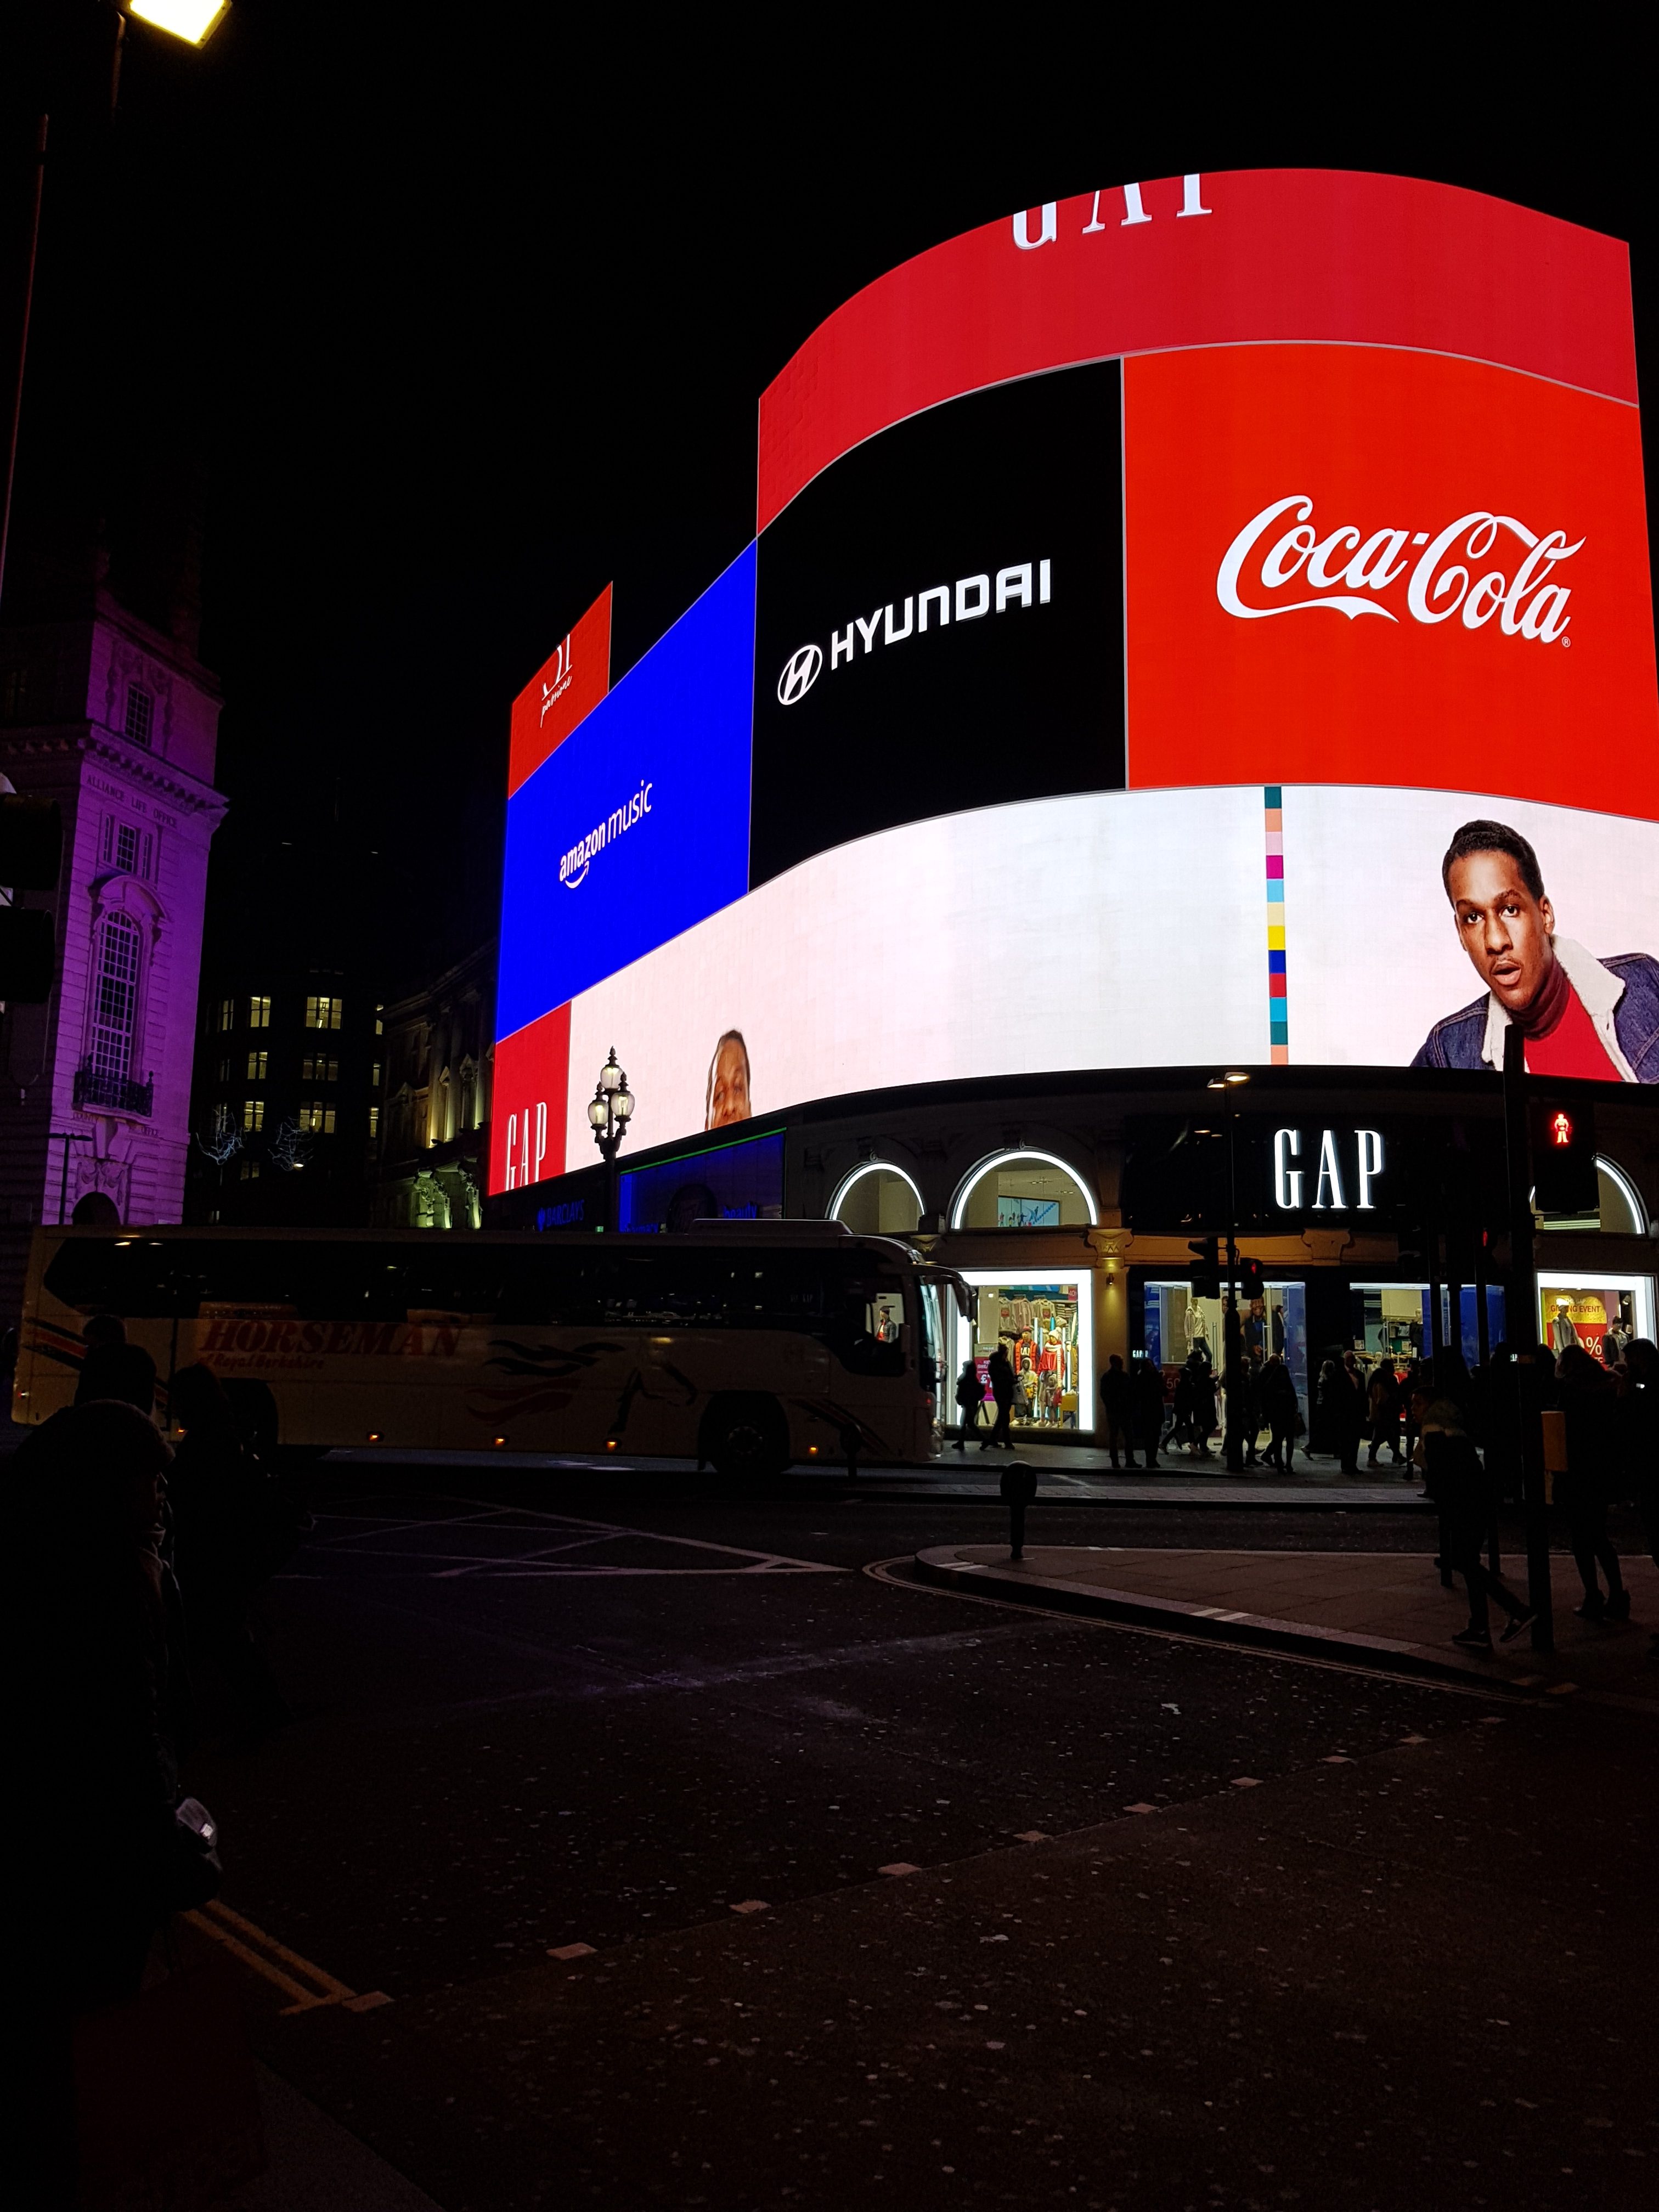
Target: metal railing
115,1094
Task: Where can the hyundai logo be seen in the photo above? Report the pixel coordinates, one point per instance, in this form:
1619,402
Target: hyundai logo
800,673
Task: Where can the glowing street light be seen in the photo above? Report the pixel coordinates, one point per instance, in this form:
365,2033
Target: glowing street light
608,1112
193,20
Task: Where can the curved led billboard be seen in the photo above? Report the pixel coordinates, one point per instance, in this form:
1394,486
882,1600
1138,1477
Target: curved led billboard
1202,620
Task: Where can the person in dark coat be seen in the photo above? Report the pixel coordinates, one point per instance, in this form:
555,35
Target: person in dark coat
1639,1427
1588,1396
1117,1410
1148,1387
1467,1501
1281,1411
114,1369
1341,1401
1200,1406
999,1373
224,1513
970,1397
1383,1406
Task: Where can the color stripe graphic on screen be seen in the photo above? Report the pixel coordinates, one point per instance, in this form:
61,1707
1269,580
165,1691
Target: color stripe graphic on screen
1279,1019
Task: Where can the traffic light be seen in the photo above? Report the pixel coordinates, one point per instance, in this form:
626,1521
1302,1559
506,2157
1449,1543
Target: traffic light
1204,1276
31,853
1252,1282
1563,1159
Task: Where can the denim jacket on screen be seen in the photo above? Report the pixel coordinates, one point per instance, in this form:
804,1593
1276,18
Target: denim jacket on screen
1620,995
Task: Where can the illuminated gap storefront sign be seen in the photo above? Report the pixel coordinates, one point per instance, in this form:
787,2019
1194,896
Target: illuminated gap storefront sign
1338,1176
638,825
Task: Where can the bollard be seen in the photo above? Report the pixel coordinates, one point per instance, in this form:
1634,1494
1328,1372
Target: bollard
1019,1488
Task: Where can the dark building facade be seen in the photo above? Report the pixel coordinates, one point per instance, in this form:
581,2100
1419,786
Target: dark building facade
433,1124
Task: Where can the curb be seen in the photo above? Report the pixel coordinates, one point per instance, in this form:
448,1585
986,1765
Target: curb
943,1567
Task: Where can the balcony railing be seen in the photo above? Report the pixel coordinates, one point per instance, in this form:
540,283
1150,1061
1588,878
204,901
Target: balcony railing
113,1094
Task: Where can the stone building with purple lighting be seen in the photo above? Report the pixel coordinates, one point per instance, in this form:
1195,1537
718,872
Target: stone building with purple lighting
117,721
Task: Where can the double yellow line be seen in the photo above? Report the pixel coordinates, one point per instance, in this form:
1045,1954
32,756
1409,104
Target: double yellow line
283,1969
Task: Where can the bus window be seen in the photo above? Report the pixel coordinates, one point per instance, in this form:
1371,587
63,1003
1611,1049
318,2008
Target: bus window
868,1340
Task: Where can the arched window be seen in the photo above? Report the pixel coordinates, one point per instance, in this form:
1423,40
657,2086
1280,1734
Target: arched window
1623,1213
1023,1190
877,1199
114,1002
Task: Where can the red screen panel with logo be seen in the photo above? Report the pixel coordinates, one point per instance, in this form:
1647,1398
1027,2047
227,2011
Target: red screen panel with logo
1232,257
569,686
1357,565
527,1109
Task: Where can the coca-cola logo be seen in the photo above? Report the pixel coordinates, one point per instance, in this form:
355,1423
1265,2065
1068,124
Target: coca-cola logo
1446,577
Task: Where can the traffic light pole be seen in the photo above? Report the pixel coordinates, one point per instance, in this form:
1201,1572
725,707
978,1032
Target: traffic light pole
1233,1324
1522,1332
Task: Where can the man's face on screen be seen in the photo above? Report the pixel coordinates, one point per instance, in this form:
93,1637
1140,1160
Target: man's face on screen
1505,930
729,1101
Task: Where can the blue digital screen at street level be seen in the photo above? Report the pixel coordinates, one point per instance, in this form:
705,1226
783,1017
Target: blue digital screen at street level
740,1182
637,826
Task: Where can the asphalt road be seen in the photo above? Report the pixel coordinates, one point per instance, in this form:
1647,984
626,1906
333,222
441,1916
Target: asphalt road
616,1714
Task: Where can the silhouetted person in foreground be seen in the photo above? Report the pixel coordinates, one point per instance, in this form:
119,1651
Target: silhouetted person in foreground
999,1372
970,1395
96,1682
1638,1424
114,1369
1282,1411
1466,1500
1116,1411
1588,1396
226,1521
1149,1407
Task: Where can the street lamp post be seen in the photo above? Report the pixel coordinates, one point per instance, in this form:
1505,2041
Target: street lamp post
609,1113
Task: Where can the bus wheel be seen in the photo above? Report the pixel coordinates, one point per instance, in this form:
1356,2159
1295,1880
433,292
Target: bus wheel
747,1438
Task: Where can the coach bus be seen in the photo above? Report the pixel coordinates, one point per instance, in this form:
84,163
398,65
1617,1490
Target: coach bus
748,1346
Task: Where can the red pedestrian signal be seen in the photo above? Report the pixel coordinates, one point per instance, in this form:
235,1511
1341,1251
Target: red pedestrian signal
1561,1131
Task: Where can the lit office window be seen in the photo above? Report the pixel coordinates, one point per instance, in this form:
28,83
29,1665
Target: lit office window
256,1065
259,1014
373,1120
323,1013
316,1118
253,1113
317,1067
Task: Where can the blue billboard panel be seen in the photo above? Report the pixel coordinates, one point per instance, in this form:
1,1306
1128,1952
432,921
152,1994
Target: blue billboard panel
638,825
739,1181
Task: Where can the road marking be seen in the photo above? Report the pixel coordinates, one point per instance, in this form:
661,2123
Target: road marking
752,1904
491,1517
257,1950
571,1951
899,1867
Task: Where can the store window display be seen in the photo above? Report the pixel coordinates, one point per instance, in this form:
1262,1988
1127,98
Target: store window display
1047,1330
1602,1313
1179,1327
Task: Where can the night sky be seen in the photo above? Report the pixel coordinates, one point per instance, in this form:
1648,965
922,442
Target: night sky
442,319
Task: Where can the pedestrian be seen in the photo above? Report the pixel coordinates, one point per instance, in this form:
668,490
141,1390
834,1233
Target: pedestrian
1467,1502
114,1369
1432,1415
99,1861
1342,1403
1383,1406
1148,1383
228,1532
1201,1416
1117,1410
999,1373
970,1395
1281,1412
1638,1424
1588,1396
1248,1408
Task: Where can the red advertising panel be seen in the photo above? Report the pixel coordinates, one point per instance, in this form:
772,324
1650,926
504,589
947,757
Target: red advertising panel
527,1120
568,687
1223,259
1353,565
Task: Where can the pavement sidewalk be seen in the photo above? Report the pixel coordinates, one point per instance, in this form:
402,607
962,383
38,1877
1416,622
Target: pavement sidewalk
1386,1610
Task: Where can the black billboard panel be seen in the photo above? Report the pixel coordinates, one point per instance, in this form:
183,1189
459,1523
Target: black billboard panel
939,620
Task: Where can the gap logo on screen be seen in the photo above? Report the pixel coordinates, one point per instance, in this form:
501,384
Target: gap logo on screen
642,812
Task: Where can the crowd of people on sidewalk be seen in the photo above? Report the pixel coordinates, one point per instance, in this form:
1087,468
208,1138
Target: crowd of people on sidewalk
134,1616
